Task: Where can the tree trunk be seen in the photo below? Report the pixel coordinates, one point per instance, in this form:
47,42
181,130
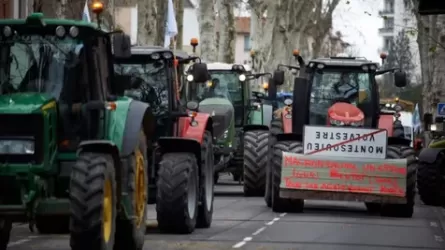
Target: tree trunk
147,22
207,34
161,22
227,32
179,10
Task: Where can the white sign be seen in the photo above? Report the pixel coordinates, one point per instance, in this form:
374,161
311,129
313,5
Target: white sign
345,142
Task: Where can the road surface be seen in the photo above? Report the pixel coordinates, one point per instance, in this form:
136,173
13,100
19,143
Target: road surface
246,223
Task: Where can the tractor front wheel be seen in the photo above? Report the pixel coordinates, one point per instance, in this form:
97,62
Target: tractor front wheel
403,210
93,202
431,181
206,183
5,233
280,205
177,193
256,145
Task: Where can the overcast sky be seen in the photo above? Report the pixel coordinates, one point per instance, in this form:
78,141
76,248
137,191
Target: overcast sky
359,22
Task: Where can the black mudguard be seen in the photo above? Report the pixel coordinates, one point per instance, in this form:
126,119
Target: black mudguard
139,115
251,127
429,155
180,145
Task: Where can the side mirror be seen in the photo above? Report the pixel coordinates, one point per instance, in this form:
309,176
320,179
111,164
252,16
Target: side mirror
121,45
199,72
278,77
400,79
427,121
192,105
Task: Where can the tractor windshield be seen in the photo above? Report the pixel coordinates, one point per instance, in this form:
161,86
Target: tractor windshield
149,81
224,84
32,63
329,87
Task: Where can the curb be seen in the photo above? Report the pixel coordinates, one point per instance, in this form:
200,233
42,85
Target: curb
440,211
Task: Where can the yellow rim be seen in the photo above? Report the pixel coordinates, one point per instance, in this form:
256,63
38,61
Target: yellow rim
107,210
141,189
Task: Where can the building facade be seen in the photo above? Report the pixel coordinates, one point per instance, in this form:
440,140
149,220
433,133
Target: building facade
397,16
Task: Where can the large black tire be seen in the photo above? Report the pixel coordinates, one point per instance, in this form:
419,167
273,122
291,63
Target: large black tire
206,183
93,202
255,162
431,182
279,204
5,233
131,231
276,127
403,210
177,193
372,207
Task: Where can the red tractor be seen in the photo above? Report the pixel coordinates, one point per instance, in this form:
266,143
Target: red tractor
336,145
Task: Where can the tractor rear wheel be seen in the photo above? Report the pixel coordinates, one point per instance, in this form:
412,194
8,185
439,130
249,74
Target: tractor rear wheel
5,233
177,193
255,162
93,202
431,181
279,204
276,127
206,184
403,210
131,231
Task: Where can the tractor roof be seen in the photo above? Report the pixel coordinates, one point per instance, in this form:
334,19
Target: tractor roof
181,54
39,17
343,61
225,66
147,50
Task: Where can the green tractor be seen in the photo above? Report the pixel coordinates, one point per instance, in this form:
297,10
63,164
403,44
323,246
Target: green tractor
431,170
240,121
180,144
72,152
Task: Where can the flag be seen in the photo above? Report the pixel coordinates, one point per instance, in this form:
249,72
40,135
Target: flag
171,29
416,119
86,13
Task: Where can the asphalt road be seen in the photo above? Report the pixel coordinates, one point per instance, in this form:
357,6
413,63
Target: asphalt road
247,223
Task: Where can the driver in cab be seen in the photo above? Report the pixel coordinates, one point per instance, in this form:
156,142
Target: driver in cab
349,90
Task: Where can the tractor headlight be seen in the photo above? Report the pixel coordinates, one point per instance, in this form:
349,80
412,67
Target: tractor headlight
356,124
336,122
226,134
433,127
17,147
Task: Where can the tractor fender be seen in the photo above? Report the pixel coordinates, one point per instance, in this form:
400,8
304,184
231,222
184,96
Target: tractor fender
386,122
289,137
429,155
251,127
287,121
105,147
180,145
195,132
139,116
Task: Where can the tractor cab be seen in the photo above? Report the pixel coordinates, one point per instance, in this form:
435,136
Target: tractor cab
345,84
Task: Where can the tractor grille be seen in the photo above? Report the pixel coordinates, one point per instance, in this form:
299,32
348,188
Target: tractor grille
15,126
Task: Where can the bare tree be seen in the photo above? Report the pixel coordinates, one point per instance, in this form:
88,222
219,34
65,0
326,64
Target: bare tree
207,33
226,31
147,22
179,10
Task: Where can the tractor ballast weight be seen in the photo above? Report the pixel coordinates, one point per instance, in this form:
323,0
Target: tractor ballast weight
65,173
180,149
291,185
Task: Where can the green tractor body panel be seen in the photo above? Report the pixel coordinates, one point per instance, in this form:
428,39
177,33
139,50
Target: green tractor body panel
23,103
116,121
223,115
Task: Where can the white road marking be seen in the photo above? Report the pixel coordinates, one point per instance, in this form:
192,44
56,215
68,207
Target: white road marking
239,244
433,224
18,242
259,231
247,239
438,238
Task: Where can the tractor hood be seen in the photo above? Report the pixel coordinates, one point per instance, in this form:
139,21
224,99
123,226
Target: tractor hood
23,103
222,113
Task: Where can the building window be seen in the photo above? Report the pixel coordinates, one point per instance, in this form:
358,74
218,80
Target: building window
5,9
389,23
387,43
247,45
389,5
